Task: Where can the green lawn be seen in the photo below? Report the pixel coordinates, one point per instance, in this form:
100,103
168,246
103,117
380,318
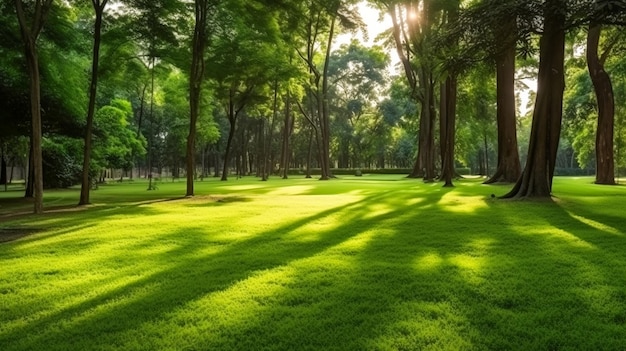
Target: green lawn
369,263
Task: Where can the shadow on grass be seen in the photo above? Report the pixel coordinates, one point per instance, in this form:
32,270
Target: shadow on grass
399,271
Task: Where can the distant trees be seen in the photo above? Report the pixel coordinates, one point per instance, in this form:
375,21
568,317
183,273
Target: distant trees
261,87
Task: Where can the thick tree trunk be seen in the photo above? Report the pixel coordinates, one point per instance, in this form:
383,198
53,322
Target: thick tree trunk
85,185
605,165
508,169
536,179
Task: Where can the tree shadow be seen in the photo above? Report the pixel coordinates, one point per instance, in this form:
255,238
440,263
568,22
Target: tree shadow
378,279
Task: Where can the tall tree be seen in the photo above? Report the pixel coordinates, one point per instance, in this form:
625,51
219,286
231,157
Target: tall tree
536,179
448,99
203,9
30,28
98,6
413,25
605,165
322,21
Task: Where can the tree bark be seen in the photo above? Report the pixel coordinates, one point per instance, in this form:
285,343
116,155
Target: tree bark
605,165
93,88
536,179
508,169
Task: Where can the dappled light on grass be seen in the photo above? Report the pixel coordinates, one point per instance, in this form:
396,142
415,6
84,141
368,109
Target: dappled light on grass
291,190
597,225
456,203
301,264
562,235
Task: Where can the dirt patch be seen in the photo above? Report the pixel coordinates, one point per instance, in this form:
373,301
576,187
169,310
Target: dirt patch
10,234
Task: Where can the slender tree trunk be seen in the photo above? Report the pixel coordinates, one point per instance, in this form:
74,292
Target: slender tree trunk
287,128
325,116
486,153
424,166
309,154
199,43
509,168
93,87
30,33
232,119
3,168
605,165
447,128
536,179
151,136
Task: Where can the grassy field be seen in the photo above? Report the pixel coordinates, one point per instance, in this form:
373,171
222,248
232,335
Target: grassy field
370,263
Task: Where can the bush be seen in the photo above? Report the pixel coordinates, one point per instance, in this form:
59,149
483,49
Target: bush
61,166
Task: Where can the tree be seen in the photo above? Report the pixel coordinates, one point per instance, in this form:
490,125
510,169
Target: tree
30,31
321,23
98,6
605,165
357,78
558,16
203,10
536,179
413,23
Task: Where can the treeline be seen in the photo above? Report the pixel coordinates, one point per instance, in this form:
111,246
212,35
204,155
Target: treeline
213,88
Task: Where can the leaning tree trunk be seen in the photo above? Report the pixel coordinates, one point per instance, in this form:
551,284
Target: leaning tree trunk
536,179
508,169
605,165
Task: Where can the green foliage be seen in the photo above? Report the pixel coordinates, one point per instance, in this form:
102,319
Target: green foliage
62,162
115,143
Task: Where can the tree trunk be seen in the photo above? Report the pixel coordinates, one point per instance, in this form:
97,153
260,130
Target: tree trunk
30,33
3,169
447,128
605,165
232,119
287,129
309,157
150,132
85,185
536,179
199,42
325,111
508,169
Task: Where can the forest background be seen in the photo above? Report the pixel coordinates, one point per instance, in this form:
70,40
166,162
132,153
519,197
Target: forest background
125,89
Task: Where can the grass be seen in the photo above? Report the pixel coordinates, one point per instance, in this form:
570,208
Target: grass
370,263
